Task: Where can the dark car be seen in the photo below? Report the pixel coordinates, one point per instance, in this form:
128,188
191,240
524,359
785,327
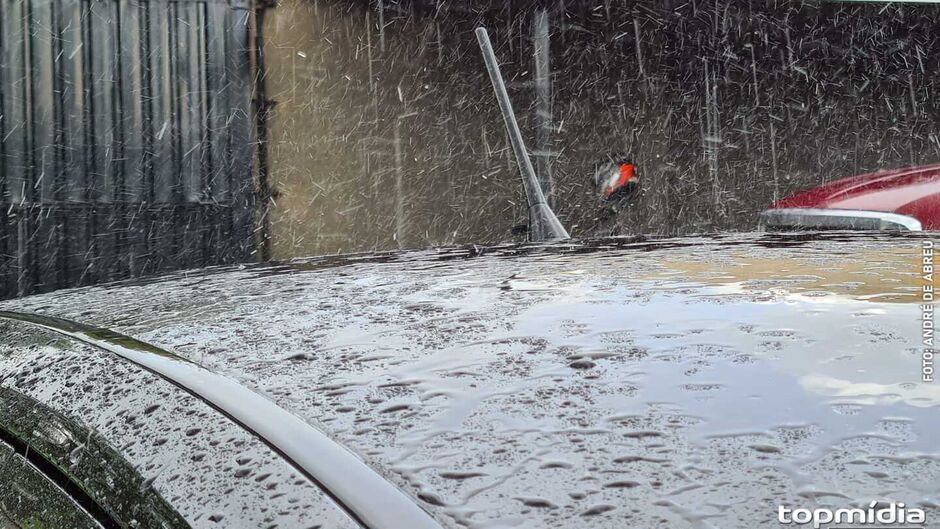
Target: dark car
900,199
681,383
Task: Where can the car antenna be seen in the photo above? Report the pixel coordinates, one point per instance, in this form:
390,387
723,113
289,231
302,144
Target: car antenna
543,224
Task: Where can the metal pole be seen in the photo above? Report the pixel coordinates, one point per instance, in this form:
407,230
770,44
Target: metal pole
543,92
543,224
22,268
399,191
639,49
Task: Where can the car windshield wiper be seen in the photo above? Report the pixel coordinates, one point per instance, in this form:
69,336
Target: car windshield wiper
543,224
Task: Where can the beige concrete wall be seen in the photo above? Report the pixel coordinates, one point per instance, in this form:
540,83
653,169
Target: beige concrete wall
313,129
333,156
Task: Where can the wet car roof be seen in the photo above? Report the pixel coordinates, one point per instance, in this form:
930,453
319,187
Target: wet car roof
687,382
100,413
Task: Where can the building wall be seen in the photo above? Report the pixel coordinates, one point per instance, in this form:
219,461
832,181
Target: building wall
386,132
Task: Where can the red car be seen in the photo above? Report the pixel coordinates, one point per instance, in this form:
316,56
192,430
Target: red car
900,199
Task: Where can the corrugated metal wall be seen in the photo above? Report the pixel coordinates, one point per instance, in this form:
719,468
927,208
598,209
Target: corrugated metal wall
127,142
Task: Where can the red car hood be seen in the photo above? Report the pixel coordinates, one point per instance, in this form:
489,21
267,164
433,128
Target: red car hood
912,191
